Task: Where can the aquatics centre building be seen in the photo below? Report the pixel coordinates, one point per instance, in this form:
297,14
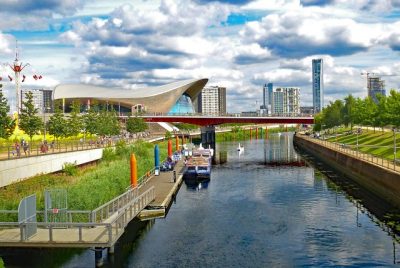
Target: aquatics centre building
173,98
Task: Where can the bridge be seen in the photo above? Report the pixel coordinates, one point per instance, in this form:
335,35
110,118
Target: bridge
207,120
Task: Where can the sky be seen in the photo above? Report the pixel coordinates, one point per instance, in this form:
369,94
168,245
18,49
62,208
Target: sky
237,44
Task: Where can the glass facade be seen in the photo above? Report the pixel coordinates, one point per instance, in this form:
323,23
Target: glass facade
317,85
182,106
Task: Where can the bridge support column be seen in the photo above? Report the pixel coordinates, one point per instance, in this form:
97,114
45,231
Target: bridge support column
98,256
111,250
208,137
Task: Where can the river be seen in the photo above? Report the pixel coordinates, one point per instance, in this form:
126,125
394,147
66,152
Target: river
266,207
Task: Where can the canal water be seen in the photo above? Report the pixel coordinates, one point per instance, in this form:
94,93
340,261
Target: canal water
265,207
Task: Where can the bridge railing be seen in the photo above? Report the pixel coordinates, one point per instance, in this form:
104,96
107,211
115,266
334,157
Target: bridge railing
89,233
354,151
216,115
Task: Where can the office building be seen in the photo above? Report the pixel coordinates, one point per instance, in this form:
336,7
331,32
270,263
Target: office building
375,86
286,101
318,85
42,99
212,101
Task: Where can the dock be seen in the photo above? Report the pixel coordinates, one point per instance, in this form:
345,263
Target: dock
106,224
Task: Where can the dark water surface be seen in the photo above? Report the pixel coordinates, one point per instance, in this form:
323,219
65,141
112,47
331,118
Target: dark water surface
263,208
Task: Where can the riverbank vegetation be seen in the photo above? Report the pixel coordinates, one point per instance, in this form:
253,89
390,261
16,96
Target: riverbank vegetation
381,112
93,184
239,133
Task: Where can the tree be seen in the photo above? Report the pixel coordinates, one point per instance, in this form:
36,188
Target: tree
29,122
107,123
57,124
393,108
90,121
348,111
135,125
7,124
74,123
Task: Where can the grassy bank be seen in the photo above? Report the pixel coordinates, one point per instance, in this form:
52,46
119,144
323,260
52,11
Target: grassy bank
377,143
238,133
92,185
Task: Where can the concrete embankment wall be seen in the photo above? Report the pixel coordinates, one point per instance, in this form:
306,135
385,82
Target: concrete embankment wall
14,170
382,182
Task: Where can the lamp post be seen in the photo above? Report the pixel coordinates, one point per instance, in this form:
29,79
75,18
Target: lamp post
394,147
44,121
358,131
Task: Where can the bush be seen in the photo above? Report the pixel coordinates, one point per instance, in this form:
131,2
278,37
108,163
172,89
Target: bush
121,149
70,169
109,154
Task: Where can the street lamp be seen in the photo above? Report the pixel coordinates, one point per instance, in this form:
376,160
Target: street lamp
394,147
44,121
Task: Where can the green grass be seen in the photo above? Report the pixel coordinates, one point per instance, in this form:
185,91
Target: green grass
243,134
94,184
373,142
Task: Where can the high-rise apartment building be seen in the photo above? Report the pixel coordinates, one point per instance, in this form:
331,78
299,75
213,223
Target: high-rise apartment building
212,101
318,85
375,86
286,101
42,99
267,98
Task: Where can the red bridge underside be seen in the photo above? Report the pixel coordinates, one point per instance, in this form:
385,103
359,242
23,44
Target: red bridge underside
217,120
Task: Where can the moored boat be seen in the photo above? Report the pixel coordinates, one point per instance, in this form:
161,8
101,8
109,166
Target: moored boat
198,166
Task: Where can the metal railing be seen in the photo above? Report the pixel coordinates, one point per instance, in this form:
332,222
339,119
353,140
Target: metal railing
15,152
125,208
123,115
353,150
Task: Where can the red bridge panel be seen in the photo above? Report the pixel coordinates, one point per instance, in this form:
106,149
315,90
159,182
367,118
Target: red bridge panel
217,120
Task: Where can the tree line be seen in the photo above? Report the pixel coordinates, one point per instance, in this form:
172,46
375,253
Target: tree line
98,120
357,111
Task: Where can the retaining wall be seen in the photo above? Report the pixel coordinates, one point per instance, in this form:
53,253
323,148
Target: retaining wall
14,170
383,182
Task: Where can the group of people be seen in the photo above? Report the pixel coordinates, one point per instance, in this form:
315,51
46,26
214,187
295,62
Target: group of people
17,148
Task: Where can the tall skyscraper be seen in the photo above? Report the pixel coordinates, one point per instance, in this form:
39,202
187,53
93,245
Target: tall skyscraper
267,97
375,86
318,85
286,101
212,101
270,87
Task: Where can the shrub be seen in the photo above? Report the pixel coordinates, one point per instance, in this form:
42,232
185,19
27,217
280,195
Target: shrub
70,169
109,154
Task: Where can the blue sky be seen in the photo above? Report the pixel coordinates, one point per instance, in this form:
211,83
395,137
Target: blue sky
238,44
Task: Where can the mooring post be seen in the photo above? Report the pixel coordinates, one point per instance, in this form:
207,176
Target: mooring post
174,175
133,171
169,148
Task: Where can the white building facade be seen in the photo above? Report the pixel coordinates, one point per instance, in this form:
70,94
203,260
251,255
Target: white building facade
286,101
212,100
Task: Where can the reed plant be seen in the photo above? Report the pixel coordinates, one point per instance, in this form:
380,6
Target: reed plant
92,186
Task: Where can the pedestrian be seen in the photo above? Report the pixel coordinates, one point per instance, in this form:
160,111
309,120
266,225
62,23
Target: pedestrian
25,146
17,149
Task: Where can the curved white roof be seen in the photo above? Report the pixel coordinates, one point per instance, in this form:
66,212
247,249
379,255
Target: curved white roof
157,99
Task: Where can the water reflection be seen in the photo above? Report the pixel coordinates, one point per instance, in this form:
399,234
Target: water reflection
197,185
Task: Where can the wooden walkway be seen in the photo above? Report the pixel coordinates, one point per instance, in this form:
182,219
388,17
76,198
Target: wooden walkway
107,223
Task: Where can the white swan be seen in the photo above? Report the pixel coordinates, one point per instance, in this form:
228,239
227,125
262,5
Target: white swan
240,148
